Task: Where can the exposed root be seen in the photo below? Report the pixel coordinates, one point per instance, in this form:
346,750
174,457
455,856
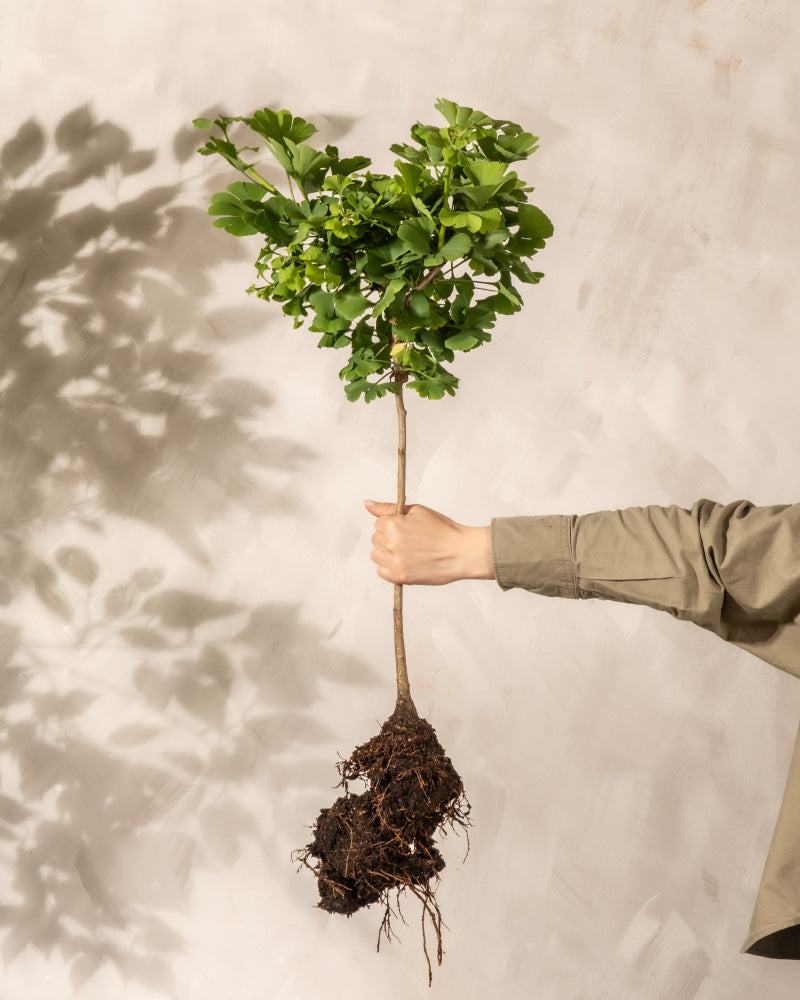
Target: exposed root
380,842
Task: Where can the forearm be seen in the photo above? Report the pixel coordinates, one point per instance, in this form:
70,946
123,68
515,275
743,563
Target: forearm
656,556
475,555
733,569
705,564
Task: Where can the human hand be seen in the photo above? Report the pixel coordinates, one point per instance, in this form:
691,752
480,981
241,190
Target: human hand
425,547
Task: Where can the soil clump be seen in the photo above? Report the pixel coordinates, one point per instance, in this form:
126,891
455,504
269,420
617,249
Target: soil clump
370,843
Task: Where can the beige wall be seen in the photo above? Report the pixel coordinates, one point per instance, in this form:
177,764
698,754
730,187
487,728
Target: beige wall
192,629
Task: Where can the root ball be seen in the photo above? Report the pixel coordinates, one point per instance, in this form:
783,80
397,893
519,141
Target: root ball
382,839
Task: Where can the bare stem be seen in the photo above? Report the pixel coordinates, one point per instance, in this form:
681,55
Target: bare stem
403,687
431,276
256,176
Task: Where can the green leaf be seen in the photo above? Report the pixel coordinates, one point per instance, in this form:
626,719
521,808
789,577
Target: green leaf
362,335
456,247
305,159
461,220
234,215
280,126
391,293
224,204
434,151
380,262
491,219
420,361
533,223
501,303
246,191
461,342
226,149
510,293
348,165
281,154
478,197
323,303
449,109
521,270
516,147
495,238
323,325
202,123
354,389
485,172
410,153
315,275
430,388
404,334
336,340
350,305
235,227
420,305
416,234
411,173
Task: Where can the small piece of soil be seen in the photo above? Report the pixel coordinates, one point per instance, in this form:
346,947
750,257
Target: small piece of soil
382,839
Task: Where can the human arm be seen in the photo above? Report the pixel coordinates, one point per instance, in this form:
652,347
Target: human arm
713,564
733,569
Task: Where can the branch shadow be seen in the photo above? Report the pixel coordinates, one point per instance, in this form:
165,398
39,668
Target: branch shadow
132,744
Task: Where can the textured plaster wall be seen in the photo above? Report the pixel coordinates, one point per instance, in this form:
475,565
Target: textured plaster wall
191,629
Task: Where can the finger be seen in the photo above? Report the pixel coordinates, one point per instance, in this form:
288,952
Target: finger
386,574
379,509
381,543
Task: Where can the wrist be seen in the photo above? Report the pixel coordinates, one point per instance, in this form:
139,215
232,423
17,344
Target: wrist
477,554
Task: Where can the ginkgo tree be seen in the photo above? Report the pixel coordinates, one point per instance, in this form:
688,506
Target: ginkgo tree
397,272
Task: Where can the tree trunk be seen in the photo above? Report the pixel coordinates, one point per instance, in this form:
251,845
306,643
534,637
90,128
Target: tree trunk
404,700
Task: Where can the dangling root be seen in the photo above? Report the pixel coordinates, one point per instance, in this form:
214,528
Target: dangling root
430,908
370,844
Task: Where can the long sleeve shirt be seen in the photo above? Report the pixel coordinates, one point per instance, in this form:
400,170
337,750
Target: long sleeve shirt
732,569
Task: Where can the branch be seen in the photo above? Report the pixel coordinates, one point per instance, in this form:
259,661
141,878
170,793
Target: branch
431,276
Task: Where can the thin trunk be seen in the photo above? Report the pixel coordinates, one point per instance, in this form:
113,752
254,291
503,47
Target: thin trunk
403,688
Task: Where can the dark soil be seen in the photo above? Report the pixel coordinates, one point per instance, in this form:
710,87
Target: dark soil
382,839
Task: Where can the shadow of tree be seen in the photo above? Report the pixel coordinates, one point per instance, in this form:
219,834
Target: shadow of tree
127,742
111,395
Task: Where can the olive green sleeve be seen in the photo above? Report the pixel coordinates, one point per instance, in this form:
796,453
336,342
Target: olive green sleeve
731,568
534,553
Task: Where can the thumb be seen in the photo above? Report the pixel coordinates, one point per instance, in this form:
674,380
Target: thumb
379,509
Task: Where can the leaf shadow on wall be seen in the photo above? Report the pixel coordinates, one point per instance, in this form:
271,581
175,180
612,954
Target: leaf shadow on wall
136,739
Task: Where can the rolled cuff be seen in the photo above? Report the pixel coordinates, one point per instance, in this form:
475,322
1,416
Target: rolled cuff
535,554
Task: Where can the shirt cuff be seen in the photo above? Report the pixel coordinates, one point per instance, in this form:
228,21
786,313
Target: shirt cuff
535,554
